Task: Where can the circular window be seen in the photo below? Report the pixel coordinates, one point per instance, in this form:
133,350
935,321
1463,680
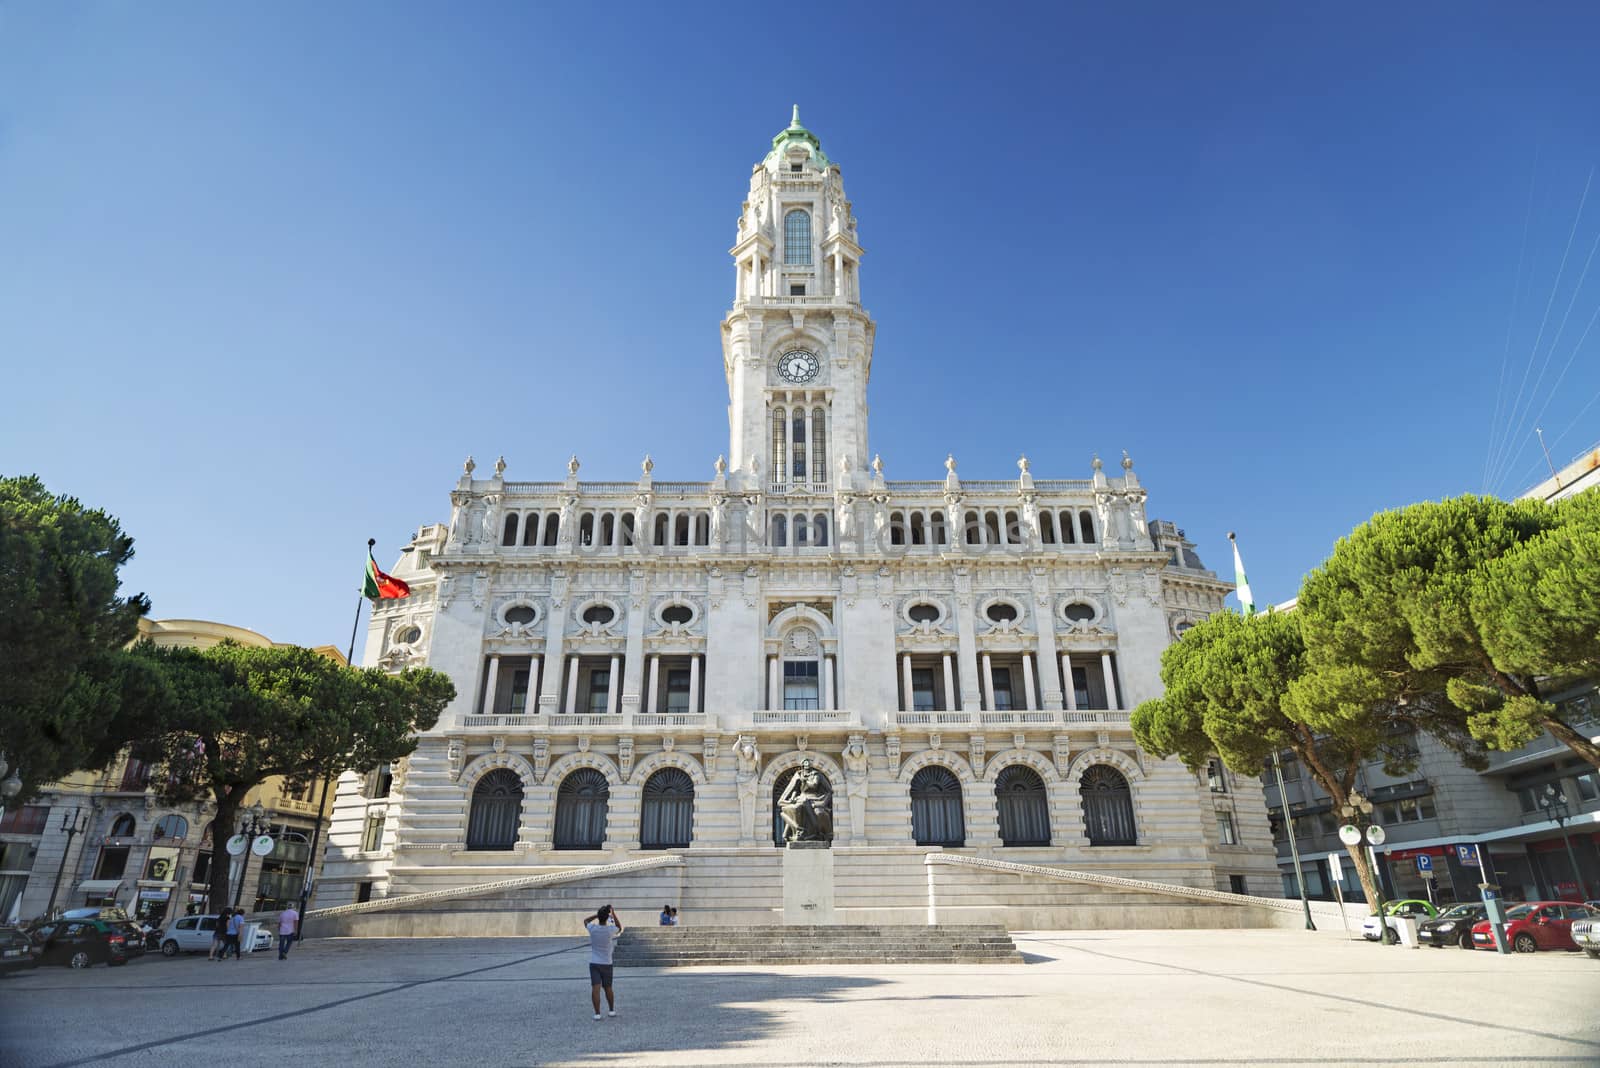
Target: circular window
1001,612
521,613
923,613
1079,612
677,613
599,613
408,635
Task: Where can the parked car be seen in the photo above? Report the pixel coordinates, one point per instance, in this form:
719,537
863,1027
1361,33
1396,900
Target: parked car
1452,927
17,950
193,934
1393,911
1586,933
80,943
1536,925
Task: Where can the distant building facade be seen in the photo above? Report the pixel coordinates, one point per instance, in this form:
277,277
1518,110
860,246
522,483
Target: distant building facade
642,664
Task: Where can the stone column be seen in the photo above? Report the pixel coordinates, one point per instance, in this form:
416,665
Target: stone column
827,683
614,684
949,684
1066,675
633,659
694,683
966,643
1111,680
1027,682
1044,625
655,678
535,667
774,693
572,685
490,683
906,702
988,683
554,638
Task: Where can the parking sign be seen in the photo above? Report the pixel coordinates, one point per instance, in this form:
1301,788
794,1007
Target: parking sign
1467,855
1424,862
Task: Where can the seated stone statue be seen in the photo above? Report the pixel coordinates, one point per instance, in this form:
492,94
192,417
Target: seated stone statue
806,806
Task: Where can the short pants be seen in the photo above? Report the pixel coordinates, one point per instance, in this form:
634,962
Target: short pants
599,974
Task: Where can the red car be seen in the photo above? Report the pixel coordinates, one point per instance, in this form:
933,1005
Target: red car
1536,925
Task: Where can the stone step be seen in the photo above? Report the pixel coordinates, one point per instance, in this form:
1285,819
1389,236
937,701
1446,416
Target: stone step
667,947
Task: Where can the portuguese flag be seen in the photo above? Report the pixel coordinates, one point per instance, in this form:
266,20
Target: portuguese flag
381,587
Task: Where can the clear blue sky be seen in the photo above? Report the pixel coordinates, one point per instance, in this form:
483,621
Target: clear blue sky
268,272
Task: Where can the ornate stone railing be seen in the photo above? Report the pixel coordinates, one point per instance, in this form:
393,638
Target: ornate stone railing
1079,718
571,875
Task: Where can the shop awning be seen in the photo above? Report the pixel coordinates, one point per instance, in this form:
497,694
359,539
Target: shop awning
99,886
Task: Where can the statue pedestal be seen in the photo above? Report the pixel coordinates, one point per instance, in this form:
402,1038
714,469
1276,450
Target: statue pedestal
808,884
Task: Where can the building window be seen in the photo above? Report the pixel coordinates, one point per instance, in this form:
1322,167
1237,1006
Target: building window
936,808
1225,832
779,422
1002,689
372,833
1107,807
29,819
496,811
519,693
363,892
1236,884
666,820
1588,785
800,689
1086,520
112,863
581,810
922,693
797,239
797,291
1024,807
678,691
599,690
172,826
122,826
1216,778
378,783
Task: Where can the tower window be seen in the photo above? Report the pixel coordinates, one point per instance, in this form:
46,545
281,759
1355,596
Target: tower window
797,291
797,239
796,168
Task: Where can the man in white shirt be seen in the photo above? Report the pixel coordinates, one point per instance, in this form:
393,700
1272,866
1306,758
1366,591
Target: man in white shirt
288,928
604,929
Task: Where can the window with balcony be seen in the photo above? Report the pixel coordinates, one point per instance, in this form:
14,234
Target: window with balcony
599,690
519,693
923,698
677,691
372,833
1225,832
800,685
1002,689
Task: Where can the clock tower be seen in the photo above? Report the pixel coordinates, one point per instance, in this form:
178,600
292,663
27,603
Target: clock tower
797,344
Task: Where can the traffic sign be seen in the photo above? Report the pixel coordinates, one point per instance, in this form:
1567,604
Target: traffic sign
1467,854
1335,868
1424,862
1350,834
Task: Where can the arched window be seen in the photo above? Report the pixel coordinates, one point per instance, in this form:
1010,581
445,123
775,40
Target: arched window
1086,520
797,239
819,446
530,529
1024,808
496,811
779,422
1067,535
1013,529
797,441
680,534
991,522
1047,528
800,529
702,528
780,531
629,535
581,810
897,528
974,531
936,808
586,529
661,529
172,826
937,523
122,826
919,534
608,528
509,531
667,819
552,527
819,529
1107,807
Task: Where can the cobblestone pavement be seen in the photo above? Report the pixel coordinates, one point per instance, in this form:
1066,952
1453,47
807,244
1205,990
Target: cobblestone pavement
1085,998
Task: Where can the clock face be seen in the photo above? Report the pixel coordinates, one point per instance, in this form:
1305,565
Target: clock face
798,366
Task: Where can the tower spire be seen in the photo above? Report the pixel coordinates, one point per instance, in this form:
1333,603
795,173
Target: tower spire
795,121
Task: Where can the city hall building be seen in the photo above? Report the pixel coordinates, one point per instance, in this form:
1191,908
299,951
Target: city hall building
640,664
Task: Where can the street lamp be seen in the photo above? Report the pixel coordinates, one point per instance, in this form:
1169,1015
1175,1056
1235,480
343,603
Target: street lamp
1554,802
1294,850
71,827
11,787
1357,812
253,824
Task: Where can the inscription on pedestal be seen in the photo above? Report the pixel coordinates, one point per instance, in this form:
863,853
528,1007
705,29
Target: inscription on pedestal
808,883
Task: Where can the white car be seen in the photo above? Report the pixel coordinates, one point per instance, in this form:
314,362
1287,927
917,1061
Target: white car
192,934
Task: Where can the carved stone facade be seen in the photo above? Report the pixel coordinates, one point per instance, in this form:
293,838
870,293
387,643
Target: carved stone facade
798,603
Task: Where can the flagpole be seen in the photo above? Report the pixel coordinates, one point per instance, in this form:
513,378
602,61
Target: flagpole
1247,602
322,793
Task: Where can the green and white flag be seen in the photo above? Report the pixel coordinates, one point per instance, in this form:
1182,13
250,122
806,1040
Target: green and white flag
1247,600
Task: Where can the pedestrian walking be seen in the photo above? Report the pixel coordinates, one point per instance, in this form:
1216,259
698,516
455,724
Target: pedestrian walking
235,929
288,930
604,929
666,915
219,934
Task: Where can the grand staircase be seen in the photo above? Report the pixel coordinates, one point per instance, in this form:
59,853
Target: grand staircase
671,947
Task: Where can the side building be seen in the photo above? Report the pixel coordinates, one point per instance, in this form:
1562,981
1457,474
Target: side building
641,665
105,837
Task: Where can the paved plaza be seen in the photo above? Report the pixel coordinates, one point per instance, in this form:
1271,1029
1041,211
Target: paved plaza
1083,998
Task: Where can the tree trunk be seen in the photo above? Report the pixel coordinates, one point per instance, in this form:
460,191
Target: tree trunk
1574,740
220,893
1364,873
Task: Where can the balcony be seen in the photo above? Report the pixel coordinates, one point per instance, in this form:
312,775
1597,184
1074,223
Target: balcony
1080,719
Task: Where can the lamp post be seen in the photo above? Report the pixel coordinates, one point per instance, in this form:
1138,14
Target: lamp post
1294,850
71,827
1554,802
253,824
1357,812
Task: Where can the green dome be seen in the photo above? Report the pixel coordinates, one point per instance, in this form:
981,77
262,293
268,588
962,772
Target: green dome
795,132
